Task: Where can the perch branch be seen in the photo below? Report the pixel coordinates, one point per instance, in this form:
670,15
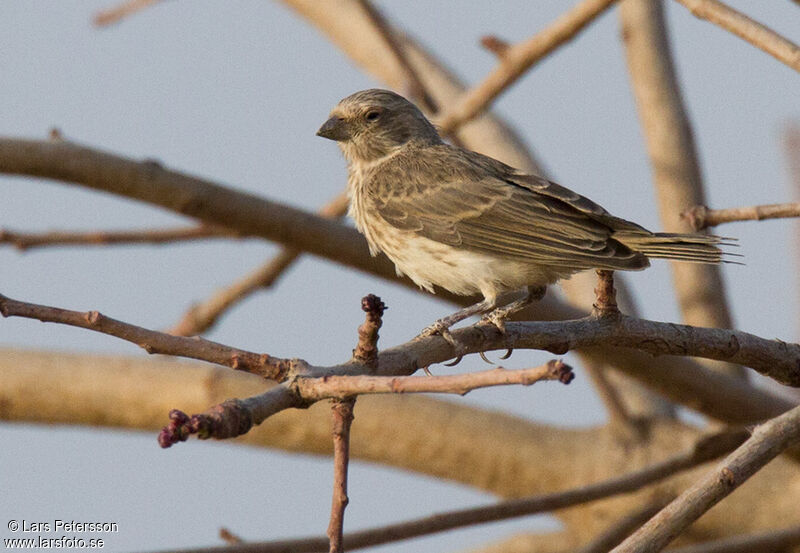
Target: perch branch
773,358
701,217
760,36
517,59
25,241
767,441
706,449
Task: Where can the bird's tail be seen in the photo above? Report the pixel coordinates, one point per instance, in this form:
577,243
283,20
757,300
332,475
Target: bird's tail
694,248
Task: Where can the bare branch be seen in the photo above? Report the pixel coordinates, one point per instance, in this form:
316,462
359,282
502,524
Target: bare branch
673,156
760,36
705,450
773,540
153,341
701,217
120,12
768,440
202,316
517,59
25,241
342,414
773,358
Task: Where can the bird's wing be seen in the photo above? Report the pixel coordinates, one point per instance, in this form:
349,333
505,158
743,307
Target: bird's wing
470,201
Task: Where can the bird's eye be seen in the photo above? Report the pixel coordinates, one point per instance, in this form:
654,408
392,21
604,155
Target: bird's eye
372,115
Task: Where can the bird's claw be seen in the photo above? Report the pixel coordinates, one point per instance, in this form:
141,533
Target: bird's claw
497,320
440,329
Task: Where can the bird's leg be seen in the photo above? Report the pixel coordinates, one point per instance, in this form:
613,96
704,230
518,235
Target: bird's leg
443,325
499,316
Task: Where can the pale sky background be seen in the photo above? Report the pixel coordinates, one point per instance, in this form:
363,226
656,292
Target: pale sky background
234,91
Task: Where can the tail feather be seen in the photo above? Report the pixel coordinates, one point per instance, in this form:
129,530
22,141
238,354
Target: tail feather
696,248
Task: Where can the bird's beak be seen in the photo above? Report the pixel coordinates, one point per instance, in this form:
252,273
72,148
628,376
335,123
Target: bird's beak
335,128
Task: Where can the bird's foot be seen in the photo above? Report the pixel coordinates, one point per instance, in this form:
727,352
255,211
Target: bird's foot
497,319
441,328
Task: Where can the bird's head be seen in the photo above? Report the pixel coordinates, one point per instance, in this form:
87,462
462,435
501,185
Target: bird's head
371,124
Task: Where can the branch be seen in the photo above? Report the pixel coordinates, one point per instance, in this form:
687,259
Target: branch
760,36
118,13
202,316
673,157
701,217
705,450
776,359
681,380
153,341
342,414
517,59
26,241
768,440
773,540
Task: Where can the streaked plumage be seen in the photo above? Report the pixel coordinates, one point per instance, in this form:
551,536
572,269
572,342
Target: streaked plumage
454,218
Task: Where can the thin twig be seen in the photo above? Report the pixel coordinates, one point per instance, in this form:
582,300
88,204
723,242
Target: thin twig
767,441
772,540
605,295
701,217
153,341
673,156
366,351
120,12
760,36
313,389
517,59
342,414
705,450
200,317
26,240
229,537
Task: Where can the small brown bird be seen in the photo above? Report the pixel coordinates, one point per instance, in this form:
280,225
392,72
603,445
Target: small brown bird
450,217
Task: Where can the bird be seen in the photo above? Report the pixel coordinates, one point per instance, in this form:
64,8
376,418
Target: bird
450,217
